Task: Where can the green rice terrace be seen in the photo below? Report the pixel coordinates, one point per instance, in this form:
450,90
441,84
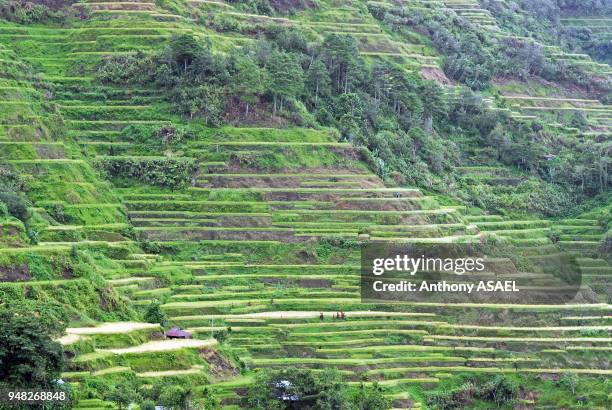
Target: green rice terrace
215,167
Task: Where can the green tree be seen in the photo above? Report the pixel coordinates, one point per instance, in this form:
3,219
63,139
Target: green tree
434,104
29,358
221,335
318,81
126,69
124,394
205,101
154,314
176,397
147,405
207,401
419,140
349,128
499,390
287,77
333,392
293,388
16,204
342,59
569,381
248,80
370,398
166,392
184,49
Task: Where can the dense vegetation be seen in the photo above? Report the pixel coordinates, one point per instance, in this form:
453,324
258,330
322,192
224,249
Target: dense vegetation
542,21
298,388
186,187
29,358
46,11
472,57
405,122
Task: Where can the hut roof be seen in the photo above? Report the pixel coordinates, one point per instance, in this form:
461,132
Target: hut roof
177,332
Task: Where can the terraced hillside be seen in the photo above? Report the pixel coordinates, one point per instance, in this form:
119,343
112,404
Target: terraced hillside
257,252
593,27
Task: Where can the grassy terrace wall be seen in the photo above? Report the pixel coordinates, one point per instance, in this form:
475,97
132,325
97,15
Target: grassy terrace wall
263,238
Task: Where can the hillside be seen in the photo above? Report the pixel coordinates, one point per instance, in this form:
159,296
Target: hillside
218,166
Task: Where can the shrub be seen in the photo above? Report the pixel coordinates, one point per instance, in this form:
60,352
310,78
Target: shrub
124,69
29,358
305,389
154,314
156,171
606,246
220,335
16,205
550,200
52,11
370,398
170,135
124,394
468,56
11,181
147,405
203,101
499,391
4,212
174,396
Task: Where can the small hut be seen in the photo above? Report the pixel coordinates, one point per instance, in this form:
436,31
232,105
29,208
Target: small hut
177,333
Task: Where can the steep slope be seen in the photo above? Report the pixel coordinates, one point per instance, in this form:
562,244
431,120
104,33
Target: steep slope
259,246
67,203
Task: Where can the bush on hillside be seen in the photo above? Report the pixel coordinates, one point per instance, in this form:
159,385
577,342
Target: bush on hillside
29,358
204,101
154,314
165,392
497,391
125,69
11,180
269,7
157,171
156,136
468,56
45,11
147,405
12,199
15,204
124,394
304,389
541,21
606,246
4,212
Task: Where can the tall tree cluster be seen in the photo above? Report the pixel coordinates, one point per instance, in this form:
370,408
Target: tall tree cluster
410,130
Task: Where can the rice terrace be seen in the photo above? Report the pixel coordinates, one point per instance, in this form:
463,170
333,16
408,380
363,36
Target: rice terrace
190,189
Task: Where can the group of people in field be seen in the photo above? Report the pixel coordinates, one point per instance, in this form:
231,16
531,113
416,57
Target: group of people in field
337,315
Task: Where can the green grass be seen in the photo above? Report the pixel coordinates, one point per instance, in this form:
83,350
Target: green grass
311,184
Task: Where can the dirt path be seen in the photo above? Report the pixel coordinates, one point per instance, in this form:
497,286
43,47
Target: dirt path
312,314
163,345
130,280
68,339
166,373
110,328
